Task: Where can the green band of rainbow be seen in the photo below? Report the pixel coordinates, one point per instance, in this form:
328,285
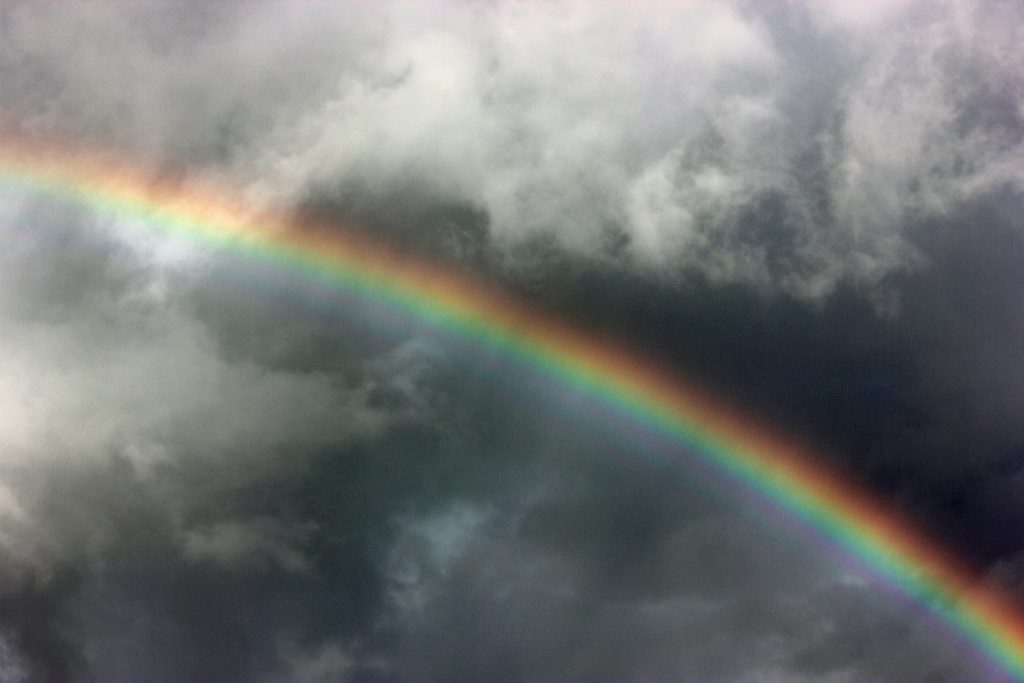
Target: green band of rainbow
779,470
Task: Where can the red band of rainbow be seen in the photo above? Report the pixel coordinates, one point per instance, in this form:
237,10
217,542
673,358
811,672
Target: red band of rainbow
780,471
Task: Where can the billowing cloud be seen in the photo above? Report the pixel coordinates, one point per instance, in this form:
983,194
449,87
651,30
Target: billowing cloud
773,145
213,470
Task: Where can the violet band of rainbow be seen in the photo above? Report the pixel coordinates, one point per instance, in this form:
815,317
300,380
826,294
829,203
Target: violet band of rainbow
777,469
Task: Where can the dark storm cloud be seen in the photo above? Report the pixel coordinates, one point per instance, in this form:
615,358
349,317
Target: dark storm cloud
217,472
139,490
921,404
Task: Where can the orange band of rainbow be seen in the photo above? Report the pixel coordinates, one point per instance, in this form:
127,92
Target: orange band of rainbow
781,472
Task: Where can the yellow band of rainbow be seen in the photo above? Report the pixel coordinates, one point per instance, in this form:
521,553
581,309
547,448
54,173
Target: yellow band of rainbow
780,471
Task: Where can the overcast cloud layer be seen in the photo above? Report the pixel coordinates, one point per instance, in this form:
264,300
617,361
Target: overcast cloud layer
217,471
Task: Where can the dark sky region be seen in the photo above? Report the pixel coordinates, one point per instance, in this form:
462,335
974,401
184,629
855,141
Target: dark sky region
215,471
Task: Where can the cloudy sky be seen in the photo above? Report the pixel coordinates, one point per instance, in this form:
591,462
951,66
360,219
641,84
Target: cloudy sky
215,471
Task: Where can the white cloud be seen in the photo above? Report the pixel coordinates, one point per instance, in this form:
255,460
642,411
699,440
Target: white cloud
786,147
107,362
662,123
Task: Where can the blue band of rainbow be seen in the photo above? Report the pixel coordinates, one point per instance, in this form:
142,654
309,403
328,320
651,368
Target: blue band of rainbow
779,470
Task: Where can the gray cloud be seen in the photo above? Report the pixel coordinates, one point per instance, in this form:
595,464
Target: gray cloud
218,471
762,144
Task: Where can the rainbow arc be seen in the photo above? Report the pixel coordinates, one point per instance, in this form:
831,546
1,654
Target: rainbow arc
780,471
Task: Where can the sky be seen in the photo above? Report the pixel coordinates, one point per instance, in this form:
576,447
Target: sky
218,470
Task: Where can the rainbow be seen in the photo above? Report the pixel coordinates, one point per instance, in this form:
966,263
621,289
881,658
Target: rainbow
783,473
